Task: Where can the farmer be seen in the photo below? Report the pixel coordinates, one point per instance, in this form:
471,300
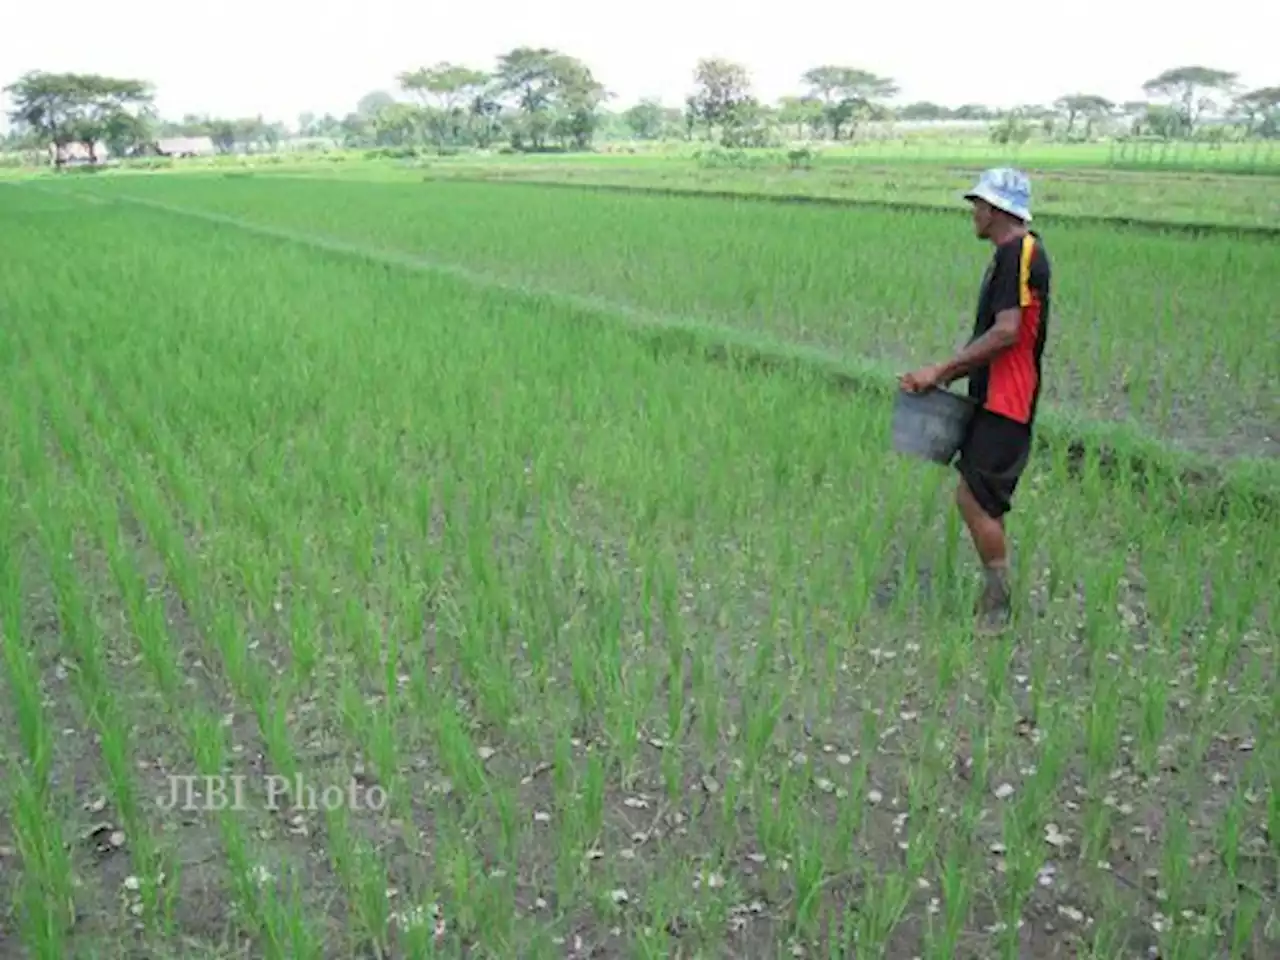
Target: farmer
1002,363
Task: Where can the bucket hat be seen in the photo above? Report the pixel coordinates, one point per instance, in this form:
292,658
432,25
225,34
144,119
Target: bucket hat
1005,189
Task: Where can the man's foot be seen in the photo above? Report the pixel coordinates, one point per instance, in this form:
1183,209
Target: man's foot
993,622
994,609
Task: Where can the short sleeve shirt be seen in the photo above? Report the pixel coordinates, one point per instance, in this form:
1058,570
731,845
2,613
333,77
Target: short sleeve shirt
1018,277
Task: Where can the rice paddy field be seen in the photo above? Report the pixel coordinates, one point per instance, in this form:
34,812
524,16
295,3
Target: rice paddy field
463,614
1072,183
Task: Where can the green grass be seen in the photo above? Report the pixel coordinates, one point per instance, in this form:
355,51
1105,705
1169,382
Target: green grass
1159,332
646,655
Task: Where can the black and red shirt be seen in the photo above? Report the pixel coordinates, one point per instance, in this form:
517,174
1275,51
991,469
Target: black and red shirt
1017,278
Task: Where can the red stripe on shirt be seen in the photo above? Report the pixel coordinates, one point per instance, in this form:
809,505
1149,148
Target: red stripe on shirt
1013,379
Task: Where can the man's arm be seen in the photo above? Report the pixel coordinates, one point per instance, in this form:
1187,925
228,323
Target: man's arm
1006,301
980,352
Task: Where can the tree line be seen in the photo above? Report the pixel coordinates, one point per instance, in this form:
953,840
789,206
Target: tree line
537,99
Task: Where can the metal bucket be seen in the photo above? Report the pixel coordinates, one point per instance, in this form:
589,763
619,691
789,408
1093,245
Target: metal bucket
931,425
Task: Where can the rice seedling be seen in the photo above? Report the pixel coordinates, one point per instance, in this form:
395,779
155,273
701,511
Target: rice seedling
526,638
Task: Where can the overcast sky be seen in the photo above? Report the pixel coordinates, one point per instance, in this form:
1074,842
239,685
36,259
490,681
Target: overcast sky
282,57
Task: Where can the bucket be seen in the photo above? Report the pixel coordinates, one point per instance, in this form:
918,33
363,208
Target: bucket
931,425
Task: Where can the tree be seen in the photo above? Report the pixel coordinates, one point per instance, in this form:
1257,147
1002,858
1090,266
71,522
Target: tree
556,95
578,99
748,123
372,102
446,91
66,108
223,134
124,132
924,110
485,114
720,87
1087,105
973,111
1159,120
846,92
1261,111
396,125
805,113
111,108
447,86
644,119
1189,91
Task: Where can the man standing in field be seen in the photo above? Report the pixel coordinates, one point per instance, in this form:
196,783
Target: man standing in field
1002,362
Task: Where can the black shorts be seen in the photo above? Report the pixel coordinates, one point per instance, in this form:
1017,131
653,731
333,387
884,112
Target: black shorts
992,457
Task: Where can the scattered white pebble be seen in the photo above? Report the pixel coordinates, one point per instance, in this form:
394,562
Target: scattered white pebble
132,883
1004,791
620,896
874,796
541,816
486,752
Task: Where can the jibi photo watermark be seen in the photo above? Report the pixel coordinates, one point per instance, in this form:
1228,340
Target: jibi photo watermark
218,792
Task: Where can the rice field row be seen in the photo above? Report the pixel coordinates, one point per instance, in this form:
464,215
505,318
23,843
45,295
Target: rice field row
1167,333
500,634
1189,199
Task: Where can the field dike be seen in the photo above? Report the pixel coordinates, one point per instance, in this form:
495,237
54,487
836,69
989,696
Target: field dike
1190,485
1188,228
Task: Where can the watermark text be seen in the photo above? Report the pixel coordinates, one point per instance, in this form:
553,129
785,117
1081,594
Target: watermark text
217,792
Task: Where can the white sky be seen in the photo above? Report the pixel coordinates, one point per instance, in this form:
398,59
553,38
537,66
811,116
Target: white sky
282,57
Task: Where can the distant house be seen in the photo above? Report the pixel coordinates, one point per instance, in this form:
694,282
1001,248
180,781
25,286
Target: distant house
186,147
77,153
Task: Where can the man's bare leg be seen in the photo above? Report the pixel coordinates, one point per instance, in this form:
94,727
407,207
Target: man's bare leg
988,536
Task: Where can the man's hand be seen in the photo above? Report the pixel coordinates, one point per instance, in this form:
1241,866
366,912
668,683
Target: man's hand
926,378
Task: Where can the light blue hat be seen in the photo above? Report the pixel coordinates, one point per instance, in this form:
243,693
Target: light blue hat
1005,189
